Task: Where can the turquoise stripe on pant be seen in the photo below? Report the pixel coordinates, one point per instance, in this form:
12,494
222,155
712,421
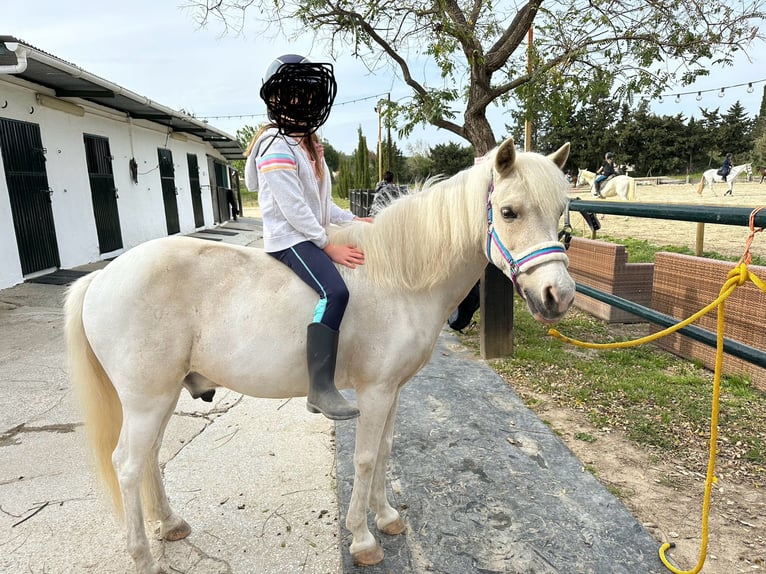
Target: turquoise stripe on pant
318,271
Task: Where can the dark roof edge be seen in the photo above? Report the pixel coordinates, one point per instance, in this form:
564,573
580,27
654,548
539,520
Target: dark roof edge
28,51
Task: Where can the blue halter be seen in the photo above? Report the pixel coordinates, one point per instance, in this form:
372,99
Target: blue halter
536,255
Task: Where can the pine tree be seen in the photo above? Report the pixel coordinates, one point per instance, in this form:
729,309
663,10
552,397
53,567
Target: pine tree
345,178
362,171
758,154
759,127
759,151
736,134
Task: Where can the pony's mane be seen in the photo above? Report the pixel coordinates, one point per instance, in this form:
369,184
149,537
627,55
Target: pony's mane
415,239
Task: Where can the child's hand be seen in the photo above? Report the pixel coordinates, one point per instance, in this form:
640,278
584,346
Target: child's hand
347,255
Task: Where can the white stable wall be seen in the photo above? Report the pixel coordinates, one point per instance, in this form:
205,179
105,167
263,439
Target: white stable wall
141,208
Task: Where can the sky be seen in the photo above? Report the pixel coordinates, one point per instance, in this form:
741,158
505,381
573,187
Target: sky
155,48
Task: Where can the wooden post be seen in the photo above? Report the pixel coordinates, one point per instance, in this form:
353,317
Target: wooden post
497,291
380,144
389,156
496,299
698,245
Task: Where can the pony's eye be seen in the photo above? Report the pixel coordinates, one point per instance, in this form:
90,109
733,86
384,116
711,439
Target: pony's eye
508,213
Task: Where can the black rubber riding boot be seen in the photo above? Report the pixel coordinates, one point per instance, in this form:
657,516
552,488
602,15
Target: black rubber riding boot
322,350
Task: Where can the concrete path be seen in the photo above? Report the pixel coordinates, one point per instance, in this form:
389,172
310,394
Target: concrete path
483,484
254,478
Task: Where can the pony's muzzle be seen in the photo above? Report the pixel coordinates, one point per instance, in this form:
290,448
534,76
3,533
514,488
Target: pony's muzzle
551,302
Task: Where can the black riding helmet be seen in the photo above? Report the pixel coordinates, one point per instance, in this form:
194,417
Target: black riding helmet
298,94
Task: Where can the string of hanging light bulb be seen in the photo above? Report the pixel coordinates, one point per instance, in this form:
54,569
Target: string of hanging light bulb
721,91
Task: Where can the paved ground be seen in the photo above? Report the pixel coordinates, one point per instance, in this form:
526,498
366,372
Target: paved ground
255,478
484,485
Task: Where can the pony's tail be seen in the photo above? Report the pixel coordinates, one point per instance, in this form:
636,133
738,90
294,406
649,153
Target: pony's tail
632,189
701,185
98,399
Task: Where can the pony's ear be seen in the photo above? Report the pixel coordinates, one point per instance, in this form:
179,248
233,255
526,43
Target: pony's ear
505,158
559,157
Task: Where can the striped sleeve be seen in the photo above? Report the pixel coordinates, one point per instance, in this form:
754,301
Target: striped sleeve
276,162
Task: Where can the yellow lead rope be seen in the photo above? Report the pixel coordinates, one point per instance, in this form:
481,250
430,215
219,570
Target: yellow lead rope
736,277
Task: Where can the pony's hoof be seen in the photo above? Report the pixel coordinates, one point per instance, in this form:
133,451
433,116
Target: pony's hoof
178,532
394,528
368,557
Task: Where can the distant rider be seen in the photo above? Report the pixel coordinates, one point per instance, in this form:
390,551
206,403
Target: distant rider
606,171
726,167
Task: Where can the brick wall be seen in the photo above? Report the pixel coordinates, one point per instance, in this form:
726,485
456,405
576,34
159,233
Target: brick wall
684,284
604,266
679,286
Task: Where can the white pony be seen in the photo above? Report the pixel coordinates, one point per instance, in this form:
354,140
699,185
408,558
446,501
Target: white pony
178,311
622,186
711,176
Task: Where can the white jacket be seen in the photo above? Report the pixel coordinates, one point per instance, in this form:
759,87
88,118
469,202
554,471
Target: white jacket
295,207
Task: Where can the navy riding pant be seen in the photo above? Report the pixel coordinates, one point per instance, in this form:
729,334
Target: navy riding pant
319,272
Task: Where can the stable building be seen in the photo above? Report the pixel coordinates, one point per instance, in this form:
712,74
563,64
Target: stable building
89,169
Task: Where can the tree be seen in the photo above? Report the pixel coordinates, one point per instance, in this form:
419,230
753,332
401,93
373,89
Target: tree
331,156
363,178
736,130
711,121
759,128
480,49
448,159
419,162
399,162
759,134
345,174
696,138
588,125
244,136
759,151
355,172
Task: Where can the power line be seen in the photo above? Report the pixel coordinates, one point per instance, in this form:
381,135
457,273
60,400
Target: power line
241,116
231,117
721,91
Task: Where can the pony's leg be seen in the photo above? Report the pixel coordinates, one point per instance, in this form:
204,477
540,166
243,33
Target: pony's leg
387,519
141,425
172,527
375,407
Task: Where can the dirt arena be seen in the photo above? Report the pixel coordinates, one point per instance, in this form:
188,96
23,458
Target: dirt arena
664,496
723,239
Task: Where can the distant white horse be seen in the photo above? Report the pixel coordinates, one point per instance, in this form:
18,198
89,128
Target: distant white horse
179,311
622,186
711,176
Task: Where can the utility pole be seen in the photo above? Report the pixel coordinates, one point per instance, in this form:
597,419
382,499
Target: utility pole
380,142
528,121
389,154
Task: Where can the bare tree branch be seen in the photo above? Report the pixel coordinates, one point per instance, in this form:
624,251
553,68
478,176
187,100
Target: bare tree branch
623,47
